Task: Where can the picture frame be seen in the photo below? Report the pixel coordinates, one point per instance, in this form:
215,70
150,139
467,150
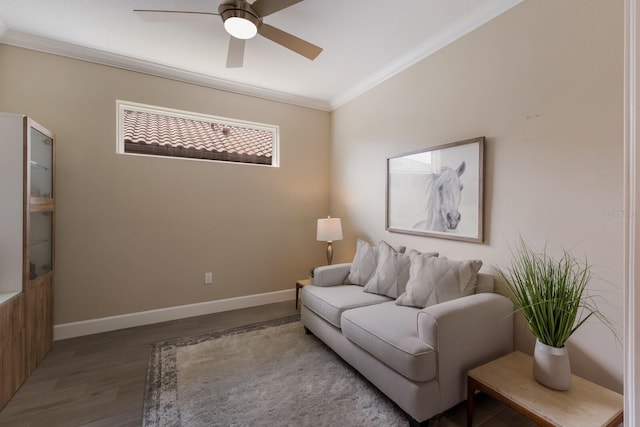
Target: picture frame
438,191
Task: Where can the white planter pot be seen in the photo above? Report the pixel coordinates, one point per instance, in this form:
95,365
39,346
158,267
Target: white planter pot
551,366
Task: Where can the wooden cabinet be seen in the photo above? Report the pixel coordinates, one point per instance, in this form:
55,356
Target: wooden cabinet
27,220
12,347
38,320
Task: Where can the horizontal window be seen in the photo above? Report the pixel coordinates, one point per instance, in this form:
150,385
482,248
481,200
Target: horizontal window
157,131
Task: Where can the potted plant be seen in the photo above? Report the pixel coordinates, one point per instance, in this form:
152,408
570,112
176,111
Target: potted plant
550,294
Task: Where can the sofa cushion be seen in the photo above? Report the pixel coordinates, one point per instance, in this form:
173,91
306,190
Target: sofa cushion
435,280
364,263
330,302
392,271
390,333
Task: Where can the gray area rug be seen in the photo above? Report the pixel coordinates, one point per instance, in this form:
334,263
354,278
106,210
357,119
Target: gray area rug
267,374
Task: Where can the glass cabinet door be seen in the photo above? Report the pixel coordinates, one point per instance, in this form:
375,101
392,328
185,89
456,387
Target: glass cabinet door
41,162
40,243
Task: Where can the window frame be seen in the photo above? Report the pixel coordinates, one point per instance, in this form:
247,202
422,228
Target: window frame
122,105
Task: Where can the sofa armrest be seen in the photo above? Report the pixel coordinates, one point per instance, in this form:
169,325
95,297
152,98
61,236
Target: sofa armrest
331,275
466,333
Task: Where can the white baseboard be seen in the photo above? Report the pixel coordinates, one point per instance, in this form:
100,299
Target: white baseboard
112,323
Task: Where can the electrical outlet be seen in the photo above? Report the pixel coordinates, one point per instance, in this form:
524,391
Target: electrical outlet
208,278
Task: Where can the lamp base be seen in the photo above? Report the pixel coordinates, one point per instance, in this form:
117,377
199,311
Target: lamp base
329,252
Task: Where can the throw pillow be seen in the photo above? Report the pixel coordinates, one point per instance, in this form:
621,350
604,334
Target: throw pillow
392,272
434,280
364,263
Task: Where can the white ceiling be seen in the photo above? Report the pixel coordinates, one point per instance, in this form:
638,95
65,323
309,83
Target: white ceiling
364,41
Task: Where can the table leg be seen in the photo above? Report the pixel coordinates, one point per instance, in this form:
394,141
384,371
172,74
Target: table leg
297,290
470,396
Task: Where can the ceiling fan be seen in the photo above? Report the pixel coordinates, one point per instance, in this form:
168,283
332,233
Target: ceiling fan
243,21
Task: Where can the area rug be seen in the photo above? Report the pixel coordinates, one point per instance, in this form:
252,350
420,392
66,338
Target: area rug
266,374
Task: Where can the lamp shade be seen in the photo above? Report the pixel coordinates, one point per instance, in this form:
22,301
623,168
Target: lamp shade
329,229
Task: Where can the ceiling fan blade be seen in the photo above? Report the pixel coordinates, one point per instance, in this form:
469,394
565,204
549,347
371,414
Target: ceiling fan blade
267,7
290,41
166,15
235,55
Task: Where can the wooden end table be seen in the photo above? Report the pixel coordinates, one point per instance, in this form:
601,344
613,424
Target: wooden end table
510,380
301,284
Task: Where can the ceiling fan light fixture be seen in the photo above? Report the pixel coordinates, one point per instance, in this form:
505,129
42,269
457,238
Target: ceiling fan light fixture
240,28
240,20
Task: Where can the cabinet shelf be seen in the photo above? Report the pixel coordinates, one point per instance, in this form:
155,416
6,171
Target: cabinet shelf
37,242
38,165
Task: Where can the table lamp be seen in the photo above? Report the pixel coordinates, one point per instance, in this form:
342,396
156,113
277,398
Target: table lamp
329,230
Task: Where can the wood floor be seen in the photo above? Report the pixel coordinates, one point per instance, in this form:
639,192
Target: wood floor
98,380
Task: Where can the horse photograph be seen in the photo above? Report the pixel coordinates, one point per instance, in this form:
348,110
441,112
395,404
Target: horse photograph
437,191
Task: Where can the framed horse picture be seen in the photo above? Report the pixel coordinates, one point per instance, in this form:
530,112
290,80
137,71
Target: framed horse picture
438,191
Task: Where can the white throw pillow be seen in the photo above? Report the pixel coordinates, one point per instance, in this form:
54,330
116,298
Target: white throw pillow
434,280
392,272
364,263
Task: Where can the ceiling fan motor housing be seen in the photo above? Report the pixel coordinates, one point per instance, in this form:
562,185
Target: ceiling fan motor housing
239,9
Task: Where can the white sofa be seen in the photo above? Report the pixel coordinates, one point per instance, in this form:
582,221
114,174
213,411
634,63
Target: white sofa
419,358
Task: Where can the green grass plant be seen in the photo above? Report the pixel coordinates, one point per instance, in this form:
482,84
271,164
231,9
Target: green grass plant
550,293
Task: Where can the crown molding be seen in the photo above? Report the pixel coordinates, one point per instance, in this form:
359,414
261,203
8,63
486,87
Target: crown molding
41,44
454,32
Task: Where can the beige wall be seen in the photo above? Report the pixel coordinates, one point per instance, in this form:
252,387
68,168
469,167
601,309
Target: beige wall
136,233
543,82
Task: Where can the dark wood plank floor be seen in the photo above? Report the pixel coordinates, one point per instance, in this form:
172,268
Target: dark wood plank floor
98,380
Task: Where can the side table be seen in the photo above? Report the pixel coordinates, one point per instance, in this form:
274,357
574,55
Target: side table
301,284
509,379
